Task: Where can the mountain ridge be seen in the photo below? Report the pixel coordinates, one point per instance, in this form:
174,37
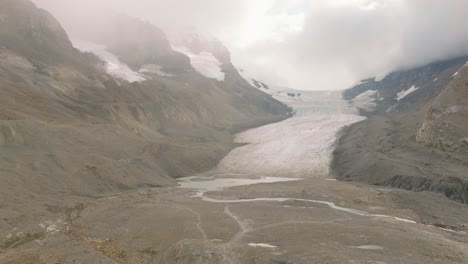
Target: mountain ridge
414,135
70,130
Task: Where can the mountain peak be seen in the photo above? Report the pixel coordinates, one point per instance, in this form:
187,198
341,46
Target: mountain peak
32,31
139,43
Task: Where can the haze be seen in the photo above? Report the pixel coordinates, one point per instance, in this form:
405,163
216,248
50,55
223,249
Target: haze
309,45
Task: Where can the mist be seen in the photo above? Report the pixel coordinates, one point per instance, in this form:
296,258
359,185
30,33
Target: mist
308,45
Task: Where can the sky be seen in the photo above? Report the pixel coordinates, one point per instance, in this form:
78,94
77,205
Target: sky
300,44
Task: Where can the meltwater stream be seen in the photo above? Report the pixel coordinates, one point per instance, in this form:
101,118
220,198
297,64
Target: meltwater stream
204,185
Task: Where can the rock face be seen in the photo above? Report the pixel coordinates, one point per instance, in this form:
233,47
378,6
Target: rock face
445,125
69,128
33,32
416,138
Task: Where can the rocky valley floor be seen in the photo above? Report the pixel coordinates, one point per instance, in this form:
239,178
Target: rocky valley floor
281,207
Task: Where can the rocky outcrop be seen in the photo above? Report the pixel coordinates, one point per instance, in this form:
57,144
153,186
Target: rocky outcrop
452,187
445,124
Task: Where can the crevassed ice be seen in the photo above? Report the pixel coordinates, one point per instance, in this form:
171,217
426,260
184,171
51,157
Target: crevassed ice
113,65
205,63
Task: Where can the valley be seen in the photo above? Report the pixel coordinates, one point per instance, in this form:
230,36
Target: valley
260,205
126,143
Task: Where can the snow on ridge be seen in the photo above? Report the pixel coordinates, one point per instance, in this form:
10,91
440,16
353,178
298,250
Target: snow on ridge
205,63
154,68
459,70
113,66
405,93
357,83
251,80
248,77
381,77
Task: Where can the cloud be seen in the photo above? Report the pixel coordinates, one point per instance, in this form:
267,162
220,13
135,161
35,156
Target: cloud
344,41
80,17
303,44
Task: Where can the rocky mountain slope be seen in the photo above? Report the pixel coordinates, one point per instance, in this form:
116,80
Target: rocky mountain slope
445,125
69,128
415,135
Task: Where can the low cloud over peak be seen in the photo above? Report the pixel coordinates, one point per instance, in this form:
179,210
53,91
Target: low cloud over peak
302,44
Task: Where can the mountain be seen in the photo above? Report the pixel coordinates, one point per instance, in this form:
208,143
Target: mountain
416,135
139,43
73,125
35,34
404,89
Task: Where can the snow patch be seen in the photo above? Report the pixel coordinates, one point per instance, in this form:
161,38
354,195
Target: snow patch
455,74
113,65
405,93
52,226
370,247
205,63
261,245
154,68
436,79
357,83
366,100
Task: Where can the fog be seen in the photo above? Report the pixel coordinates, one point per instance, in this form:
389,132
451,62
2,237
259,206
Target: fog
310,45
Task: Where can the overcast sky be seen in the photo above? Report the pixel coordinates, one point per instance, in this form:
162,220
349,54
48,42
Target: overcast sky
302,44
